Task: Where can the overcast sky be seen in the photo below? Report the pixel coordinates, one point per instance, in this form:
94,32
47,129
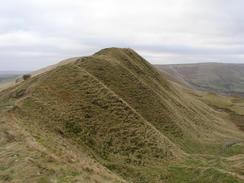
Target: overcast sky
36,33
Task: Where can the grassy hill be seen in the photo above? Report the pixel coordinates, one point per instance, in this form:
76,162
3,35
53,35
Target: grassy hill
215,77
112,117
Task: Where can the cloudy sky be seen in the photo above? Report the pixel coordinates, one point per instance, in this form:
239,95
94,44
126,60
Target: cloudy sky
36,33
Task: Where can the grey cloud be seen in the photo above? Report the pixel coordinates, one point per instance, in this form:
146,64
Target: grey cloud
34,33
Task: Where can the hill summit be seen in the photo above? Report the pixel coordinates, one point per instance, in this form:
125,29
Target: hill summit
111,117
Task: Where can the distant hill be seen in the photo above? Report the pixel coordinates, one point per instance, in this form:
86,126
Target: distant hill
112,117
8,77
215,77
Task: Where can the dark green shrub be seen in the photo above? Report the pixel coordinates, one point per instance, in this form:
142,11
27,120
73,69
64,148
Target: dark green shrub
26,76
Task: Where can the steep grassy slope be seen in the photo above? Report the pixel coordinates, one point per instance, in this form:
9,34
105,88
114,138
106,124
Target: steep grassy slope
169,109
224,78
116,114
43,157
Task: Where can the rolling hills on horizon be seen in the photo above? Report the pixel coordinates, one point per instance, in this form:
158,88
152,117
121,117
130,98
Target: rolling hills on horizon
7,78
113,117
223,78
